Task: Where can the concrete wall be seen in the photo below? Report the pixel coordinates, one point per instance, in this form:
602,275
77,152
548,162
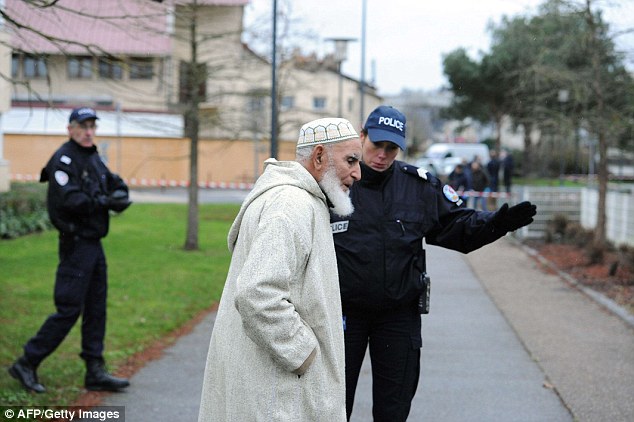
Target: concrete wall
5,102
146,161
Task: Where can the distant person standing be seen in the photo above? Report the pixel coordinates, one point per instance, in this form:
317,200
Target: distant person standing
81,193
466,165
493,168
507,170
457,179
480,181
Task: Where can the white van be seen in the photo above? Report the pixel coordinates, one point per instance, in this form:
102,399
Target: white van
442,158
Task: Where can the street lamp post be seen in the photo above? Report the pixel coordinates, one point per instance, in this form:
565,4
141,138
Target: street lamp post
341,54
562,97
274,84
362,77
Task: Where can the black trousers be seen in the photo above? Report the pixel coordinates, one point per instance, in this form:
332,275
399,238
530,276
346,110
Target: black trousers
395,340
80,289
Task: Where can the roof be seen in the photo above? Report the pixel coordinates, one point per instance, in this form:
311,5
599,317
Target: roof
215,2
131,27
53,121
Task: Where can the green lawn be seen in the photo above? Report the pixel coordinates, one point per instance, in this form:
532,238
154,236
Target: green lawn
549,182
154,287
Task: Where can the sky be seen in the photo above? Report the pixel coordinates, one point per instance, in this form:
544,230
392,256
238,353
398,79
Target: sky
406,39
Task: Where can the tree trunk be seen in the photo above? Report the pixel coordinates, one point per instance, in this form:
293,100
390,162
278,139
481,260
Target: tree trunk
599,233
527,165
191,242
193,121
498,131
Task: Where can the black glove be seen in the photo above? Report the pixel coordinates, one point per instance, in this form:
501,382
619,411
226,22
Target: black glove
510,219
119,200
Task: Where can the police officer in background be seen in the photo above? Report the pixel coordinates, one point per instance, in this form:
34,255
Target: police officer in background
382,265
81,193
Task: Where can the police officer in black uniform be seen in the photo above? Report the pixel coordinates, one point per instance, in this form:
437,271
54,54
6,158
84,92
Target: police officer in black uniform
382,265
81,193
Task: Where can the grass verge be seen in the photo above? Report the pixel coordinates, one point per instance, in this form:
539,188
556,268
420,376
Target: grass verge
155,286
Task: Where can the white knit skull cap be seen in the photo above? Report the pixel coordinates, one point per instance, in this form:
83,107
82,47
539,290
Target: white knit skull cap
324,131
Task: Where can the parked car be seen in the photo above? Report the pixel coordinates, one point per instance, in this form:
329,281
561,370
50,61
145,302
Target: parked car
441,158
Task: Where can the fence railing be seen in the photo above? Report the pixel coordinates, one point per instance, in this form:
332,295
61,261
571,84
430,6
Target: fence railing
619,208
550,201
580,205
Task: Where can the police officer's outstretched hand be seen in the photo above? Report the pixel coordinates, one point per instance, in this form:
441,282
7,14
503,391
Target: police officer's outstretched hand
510,219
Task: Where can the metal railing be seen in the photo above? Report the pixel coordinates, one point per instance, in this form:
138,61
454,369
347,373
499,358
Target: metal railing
580,205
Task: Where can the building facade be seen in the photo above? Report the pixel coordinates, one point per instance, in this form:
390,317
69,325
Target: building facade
133,62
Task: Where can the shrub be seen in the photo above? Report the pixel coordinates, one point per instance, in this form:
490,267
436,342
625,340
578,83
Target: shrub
577,235
23,210
556,228
626,258
561,230
595,253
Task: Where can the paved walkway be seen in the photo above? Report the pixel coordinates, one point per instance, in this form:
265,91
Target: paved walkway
586,351
503,342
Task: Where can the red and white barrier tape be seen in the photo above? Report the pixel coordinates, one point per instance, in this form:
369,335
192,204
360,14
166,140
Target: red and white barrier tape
489,194
164,183
158,183
24,177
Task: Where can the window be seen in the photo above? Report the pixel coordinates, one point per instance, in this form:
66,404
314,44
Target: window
110,69
287,102
34,67
200,76
319,103
15,66
255,104
80,68
141,68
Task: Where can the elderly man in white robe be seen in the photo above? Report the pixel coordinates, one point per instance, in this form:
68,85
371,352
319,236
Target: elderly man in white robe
277,351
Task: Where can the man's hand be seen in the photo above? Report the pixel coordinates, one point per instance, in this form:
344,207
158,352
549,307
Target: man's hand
510,219
309,360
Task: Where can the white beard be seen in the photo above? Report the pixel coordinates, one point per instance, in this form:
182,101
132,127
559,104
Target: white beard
330,183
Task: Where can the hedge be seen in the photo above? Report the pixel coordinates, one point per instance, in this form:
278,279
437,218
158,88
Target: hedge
23,210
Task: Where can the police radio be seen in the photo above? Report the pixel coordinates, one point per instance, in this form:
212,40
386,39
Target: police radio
425,286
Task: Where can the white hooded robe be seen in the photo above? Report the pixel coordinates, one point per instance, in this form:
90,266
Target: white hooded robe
280,302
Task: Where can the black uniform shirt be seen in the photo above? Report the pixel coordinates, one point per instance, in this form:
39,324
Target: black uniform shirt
379,247
77,179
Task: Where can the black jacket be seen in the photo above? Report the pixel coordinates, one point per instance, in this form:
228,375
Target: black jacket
79,185
379,247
